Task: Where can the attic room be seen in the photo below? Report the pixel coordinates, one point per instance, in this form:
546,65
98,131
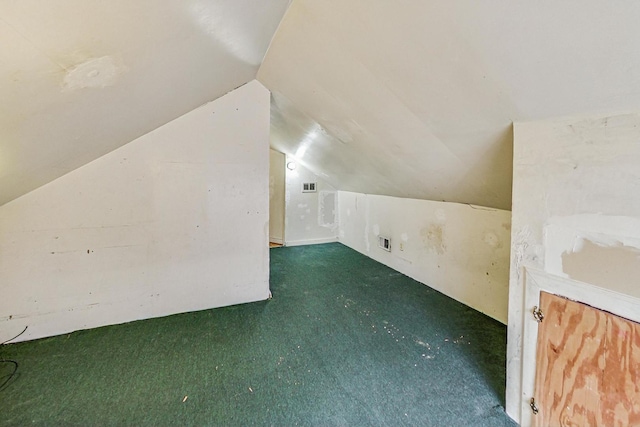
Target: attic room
455,187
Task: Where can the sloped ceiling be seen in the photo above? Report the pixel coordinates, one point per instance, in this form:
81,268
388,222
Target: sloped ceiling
416,99
79,78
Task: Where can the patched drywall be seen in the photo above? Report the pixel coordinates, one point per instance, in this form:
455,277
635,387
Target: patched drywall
79,79
311,217
460,250
576,213
175,221
612,267
93,73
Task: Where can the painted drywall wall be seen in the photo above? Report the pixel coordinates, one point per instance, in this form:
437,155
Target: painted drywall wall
310,217
460,250
576,212
277,183
175,221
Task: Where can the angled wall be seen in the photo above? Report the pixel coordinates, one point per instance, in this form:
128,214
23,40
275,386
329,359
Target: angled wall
576,213
459,250
174,221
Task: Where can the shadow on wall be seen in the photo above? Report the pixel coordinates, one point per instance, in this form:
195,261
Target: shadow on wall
493,168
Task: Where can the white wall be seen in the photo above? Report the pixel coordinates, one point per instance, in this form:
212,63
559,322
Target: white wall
174,221
576,212
460,250
310,217
277,184
419,96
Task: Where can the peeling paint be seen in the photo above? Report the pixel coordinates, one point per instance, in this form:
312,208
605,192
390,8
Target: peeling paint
520,248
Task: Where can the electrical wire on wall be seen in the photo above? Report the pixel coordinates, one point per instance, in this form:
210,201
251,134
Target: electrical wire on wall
10,362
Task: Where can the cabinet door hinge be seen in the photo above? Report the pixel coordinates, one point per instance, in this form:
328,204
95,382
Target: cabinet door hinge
538,314
533,406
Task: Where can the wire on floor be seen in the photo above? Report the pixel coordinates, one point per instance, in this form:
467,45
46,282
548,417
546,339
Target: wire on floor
9,361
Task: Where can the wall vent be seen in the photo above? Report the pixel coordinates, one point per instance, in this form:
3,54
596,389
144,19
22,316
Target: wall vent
309,187
384,243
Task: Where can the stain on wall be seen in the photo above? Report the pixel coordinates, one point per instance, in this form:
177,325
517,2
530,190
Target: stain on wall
492,240
433,238
447,246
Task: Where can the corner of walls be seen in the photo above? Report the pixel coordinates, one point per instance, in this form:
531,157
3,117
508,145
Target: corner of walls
174,221
459,250
310,217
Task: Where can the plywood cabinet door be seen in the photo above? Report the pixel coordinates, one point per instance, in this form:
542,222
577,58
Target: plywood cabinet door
587,366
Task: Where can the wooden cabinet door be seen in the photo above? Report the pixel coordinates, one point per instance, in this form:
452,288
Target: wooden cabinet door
587,366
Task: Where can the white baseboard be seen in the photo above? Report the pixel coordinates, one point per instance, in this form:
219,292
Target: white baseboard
311,241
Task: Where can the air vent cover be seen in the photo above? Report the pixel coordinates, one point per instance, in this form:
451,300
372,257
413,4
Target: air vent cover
384,243
309,187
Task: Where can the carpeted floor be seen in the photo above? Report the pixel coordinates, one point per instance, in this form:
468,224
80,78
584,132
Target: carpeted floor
344,341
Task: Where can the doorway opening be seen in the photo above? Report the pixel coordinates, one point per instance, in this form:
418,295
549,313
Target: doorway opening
276,198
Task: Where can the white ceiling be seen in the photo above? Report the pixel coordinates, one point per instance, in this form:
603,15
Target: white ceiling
79,78
412,99
416,98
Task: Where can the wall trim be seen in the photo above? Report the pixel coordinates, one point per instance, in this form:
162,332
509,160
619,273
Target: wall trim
311,241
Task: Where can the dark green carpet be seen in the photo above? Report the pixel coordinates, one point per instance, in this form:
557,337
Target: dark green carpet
344,341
